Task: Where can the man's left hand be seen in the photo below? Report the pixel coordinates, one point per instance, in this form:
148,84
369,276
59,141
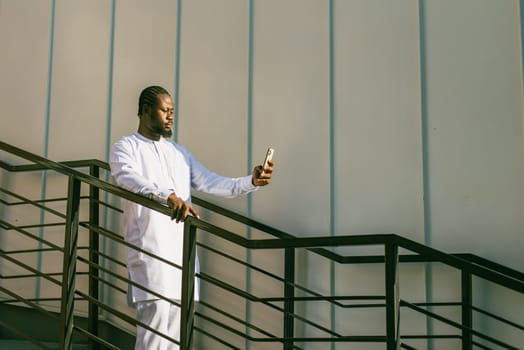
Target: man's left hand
262,176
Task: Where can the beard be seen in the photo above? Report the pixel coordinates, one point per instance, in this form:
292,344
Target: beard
166,133
159,129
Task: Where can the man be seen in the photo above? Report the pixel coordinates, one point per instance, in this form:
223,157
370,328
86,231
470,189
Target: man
147,163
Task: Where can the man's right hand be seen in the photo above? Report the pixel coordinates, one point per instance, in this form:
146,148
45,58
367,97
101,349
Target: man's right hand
181,209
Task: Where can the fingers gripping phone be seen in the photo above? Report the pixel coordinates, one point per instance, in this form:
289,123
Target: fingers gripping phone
269,156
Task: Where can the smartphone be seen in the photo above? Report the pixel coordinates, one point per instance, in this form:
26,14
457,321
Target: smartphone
269,156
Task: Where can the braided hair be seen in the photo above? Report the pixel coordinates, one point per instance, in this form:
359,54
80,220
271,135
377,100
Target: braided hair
149,96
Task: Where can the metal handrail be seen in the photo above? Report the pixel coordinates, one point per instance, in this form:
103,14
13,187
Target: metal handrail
466,259
467,263
66,169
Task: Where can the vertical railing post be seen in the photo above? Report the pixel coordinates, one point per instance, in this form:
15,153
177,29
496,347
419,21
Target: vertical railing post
289,298
188,286
94,220
467,312
69,265
392,297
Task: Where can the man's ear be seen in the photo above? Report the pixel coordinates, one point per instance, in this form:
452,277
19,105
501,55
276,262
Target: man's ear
146,109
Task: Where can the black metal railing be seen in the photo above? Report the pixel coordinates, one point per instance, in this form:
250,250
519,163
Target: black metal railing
214,322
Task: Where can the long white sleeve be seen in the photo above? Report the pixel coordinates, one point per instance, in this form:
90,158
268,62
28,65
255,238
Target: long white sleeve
159,168
128,173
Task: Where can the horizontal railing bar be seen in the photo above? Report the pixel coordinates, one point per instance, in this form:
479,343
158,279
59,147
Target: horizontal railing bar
117,276
226,327
498,318
499,343
13,301
437,304
34,275
406,346
38,250
122,241
110,258
342,339
374,259
55,224
243,263
264,272
29,268
462,264
45,200
434,315
250,297
29,303
296,339
35,204
95,338
233,330
214,337
107,205
482,346
230,288
323,298
431,336
111,285
330,299
26,251
458,325
101,230
30,235
234,318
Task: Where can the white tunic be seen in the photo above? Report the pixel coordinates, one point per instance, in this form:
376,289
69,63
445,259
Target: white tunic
156,169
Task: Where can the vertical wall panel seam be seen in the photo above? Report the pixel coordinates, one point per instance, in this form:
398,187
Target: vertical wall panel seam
43,188
425,159
521,3
109,109
249,159
109,122
177,65
332,207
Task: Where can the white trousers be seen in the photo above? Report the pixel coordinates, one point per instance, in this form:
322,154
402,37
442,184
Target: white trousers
162,316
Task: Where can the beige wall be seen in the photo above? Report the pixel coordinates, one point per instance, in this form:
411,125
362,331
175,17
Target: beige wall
420,103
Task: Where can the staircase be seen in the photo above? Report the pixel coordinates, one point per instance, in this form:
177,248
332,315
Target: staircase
63,277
